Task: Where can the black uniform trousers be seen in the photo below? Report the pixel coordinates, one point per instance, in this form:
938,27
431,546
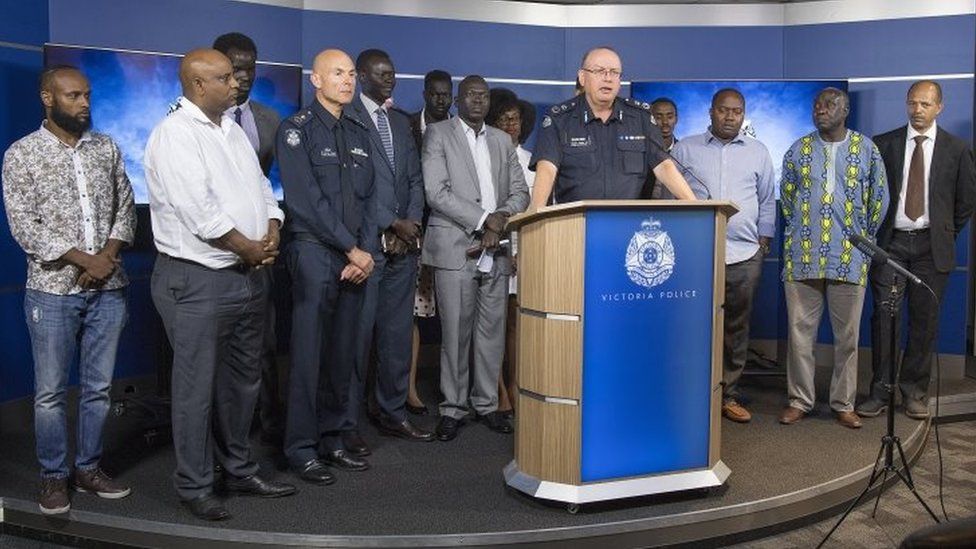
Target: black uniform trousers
913,250
325,318
388,319
214,320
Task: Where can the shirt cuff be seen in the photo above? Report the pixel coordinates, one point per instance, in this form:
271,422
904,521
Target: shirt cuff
481,222
50,254
215,228
767,229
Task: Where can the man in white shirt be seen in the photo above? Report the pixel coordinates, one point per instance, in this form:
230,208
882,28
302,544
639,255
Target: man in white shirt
215,224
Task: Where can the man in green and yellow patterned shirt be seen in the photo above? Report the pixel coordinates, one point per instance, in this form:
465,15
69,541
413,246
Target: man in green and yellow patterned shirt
833,186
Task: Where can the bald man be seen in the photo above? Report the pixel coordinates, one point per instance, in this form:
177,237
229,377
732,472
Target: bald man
325,158
215,222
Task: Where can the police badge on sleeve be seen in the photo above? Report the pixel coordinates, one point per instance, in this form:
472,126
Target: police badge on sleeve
650,255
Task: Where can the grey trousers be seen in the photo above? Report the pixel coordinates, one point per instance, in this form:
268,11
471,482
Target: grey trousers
804,306
214,320
741,280
472,307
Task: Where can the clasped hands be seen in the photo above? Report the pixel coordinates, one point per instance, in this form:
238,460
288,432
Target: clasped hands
491,231
402,236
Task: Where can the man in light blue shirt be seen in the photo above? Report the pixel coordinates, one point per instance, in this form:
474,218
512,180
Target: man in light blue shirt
726,164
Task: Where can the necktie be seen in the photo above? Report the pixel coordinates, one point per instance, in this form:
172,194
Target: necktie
915,195
383,126
237,116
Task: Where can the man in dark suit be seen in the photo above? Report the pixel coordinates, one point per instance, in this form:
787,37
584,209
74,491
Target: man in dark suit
933,189
438,96
473,182
260,123
388,303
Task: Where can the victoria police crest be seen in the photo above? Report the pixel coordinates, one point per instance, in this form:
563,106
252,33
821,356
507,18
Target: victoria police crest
650,255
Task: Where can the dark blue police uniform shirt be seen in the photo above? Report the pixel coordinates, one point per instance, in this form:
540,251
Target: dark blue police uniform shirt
327,179
598,160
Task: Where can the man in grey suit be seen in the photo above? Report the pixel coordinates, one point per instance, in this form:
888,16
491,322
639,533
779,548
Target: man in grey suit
388,303
473,182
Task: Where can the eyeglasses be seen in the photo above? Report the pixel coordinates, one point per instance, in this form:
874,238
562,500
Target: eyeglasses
612,74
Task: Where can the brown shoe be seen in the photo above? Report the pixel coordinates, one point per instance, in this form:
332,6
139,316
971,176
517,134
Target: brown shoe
736,412
791,415
849,420
97,482
54,496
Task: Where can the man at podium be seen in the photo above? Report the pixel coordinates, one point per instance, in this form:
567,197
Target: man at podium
598,145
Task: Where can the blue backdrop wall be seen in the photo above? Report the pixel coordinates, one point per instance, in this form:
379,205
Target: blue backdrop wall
545,55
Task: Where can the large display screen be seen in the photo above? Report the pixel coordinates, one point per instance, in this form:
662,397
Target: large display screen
778,112
133,91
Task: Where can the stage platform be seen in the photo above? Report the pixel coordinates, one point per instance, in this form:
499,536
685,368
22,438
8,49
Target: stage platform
448,494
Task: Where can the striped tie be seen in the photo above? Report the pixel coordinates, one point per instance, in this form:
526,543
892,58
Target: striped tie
383,126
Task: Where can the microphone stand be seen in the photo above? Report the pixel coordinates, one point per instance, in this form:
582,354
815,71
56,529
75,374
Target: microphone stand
890,441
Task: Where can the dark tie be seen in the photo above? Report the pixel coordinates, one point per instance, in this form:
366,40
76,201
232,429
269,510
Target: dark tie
383,126
351,217
915,195
237,115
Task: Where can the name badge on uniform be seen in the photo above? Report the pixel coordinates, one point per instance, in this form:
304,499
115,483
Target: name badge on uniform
579,141
329,153
359,152
632,137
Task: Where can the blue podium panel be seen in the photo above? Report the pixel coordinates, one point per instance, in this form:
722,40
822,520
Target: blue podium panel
647,342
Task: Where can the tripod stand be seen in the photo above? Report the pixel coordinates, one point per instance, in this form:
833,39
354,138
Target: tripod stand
890,441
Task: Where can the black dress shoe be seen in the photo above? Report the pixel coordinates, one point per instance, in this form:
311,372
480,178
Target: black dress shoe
496,422
257,486
355,444
405,430
207,507
342,459
447,428
314,472
421,410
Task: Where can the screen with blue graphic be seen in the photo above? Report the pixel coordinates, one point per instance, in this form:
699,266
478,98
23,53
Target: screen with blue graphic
778,112
647,341
133,91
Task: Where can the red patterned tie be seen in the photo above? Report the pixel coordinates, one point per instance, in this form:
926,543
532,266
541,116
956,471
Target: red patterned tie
915,195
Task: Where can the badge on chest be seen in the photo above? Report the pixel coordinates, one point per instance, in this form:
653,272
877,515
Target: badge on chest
579,141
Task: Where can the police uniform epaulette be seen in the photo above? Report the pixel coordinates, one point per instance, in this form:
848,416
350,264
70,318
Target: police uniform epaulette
563,107
355,119
301,117
642,105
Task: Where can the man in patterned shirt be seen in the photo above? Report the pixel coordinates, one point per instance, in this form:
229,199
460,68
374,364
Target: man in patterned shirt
69,206
833,186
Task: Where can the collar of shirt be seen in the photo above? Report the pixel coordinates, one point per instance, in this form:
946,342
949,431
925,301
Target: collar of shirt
245,106
847,137
48,134
929,133
710,137
616,111
194,112
324,115
469,130
371,105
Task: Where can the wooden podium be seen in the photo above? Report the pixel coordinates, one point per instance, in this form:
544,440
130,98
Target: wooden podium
620,349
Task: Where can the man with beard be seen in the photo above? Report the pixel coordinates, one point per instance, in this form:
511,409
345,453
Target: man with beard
259,123
599,146
69,206
215,223
438,96
473,182
388,304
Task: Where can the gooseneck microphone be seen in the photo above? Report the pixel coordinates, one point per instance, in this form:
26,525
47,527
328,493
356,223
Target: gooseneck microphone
880,256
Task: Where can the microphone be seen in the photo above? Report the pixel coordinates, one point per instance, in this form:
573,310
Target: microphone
880,256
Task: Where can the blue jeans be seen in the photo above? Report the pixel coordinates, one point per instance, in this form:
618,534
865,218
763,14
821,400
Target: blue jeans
57,324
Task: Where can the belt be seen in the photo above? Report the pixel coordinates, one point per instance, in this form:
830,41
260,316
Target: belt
236,267
913,232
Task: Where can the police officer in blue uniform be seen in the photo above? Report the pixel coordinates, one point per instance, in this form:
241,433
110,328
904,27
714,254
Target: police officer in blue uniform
600,146
324,155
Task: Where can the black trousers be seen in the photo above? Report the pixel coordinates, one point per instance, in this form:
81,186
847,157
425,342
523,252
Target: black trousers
214,320
913,250
325,320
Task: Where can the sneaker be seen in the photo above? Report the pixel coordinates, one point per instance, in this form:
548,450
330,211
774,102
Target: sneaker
736,412
97,482
54,496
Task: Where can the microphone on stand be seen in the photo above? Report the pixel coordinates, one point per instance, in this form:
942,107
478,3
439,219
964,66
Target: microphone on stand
880,256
